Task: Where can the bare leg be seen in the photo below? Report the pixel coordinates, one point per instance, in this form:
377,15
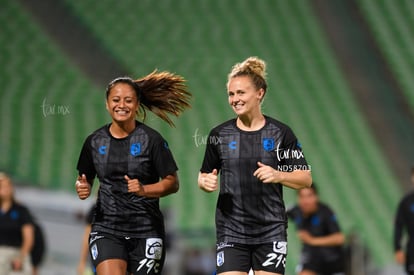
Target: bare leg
112,267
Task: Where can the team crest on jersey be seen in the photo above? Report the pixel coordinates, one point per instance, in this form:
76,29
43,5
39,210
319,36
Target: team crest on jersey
135,149
220,258
268,144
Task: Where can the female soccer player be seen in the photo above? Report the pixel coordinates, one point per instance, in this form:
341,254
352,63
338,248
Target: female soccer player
256,155
135,168
16,232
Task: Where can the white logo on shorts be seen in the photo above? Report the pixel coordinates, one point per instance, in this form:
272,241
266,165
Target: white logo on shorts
154,248
220,258
94,252
280,247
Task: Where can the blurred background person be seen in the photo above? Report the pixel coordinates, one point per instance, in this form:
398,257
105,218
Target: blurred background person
404,221
38,251
319,231
16,232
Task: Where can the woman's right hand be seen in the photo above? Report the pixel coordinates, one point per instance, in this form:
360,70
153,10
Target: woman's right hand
17,264
208,181
83,188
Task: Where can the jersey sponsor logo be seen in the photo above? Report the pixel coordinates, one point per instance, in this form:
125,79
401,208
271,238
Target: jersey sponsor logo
94,252
233,145
282,153
135,149
102,150
154,248
220,258
94,238
268,144
224,245
280,247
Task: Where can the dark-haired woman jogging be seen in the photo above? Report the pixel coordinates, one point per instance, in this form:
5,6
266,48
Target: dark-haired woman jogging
135,168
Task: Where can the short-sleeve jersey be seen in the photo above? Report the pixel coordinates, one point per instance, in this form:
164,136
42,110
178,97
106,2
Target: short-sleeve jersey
142,155
11,224
321,223
248,210
404,220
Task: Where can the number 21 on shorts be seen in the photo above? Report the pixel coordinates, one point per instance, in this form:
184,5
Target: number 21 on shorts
278,256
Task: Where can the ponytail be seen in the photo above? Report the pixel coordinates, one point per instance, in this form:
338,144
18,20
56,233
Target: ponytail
162,93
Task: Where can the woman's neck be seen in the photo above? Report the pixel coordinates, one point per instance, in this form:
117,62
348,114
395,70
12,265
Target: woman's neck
251,122
6,205
121,130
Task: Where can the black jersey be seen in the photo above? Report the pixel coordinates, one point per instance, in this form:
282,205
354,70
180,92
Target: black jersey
142,155
11,224
321,223
249,211
405,221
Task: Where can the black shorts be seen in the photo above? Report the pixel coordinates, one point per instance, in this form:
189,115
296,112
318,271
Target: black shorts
269,257
317,264
143,256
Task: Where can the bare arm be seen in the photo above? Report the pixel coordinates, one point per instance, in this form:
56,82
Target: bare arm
167,185
334,239
28,240
296,179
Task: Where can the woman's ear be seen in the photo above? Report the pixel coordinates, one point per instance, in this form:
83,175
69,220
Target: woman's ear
260,94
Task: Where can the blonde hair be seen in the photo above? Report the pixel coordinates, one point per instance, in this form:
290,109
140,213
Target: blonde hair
162,93
253,67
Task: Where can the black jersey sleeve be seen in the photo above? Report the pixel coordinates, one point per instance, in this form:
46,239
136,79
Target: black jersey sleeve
297,158
332,221
85,162
162,158
26,216
211,157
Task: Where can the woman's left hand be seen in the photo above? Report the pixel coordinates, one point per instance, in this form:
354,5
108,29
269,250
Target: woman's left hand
134,186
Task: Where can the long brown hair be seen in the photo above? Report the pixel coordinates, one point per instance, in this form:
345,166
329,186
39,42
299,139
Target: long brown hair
162,93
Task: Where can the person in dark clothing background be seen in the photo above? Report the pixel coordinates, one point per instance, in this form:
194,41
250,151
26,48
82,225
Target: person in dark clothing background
318,229
16,231
404,221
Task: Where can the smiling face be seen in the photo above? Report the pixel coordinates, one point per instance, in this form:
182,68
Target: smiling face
122,103
243,96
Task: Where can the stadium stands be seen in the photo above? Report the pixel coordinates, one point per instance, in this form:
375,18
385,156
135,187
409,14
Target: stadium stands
392,25
200,41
